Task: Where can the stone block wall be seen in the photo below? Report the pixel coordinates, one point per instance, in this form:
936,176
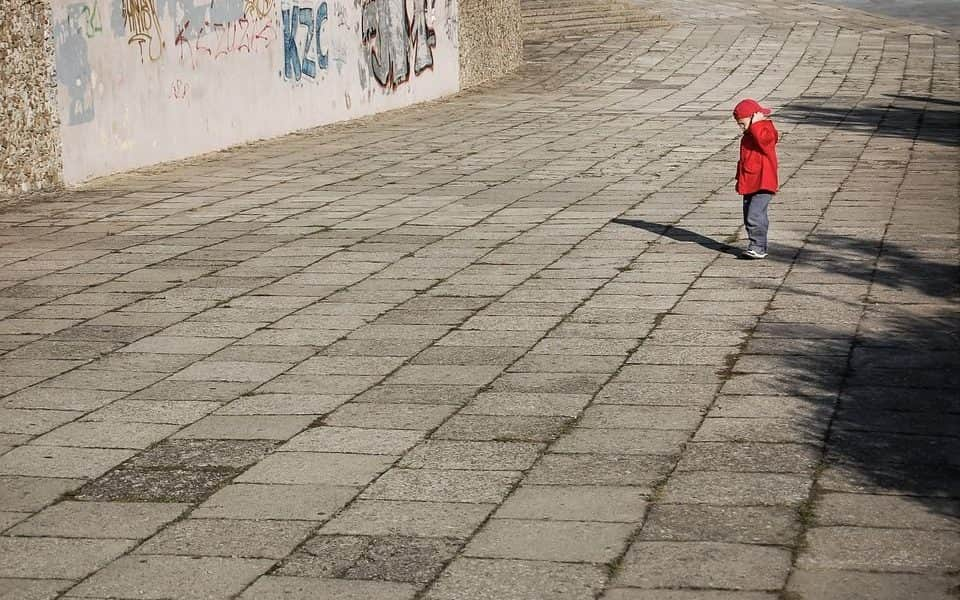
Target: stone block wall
29,125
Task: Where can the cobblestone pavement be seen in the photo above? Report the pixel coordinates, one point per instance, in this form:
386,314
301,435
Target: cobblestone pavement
500,347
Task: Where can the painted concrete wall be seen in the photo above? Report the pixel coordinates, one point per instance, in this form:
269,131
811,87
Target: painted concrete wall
29,138
147,81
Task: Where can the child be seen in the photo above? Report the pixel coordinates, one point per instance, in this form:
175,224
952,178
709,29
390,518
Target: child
757,179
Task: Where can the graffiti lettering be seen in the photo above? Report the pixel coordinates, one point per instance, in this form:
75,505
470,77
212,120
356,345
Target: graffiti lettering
216,40
257,9
179,90
396,35
140,18
89,16
297,63
424,38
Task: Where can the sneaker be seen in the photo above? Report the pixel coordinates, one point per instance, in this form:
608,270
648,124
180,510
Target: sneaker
753,253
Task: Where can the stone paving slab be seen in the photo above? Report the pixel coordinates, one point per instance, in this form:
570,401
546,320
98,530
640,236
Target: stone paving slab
501,346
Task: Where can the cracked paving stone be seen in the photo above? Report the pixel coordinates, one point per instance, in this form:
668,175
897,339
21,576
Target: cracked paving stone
30,494
404,559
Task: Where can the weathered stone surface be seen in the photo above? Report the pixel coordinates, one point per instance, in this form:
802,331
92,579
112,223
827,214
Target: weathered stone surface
201,454
903,550
749,456
303,588
725,488
100,520
57,558
485,579
739,524
621,441
159,577
280,502
575,503
409,559
642,471
484,487
640,594
317,468
857,585
494,456
30,494
396,518
229,537
62,462
563,541
502,428
867,510
32,589
259,427
31,145
704,565
354,440
155,485
389,416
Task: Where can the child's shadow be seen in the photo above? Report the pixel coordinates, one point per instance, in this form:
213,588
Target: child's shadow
681,235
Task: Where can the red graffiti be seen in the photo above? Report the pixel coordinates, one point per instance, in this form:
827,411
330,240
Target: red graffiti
217,40
179,90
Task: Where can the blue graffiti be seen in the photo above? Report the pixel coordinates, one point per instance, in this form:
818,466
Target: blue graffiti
297,63
73,65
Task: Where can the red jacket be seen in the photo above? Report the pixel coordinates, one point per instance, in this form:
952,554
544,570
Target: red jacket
757,168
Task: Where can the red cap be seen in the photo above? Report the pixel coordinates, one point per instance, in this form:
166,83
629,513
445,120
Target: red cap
748,108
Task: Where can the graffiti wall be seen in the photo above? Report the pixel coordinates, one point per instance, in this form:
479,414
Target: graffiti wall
145,81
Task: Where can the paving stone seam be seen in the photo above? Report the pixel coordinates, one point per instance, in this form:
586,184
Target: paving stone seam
654,498
815,493
187,513
545,450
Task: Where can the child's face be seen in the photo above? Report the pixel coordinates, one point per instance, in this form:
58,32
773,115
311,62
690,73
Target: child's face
745,122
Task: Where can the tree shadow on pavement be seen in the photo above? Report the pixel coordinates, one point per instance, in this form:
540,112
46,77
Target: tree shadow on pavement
896,429
940,125
889,361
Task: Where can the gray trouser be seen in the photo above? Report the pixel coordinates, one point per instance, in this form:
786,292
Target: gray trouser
755,219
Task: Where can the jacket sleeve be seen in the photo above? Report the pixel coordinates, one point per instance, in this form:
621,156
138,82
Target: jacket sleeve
766,138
